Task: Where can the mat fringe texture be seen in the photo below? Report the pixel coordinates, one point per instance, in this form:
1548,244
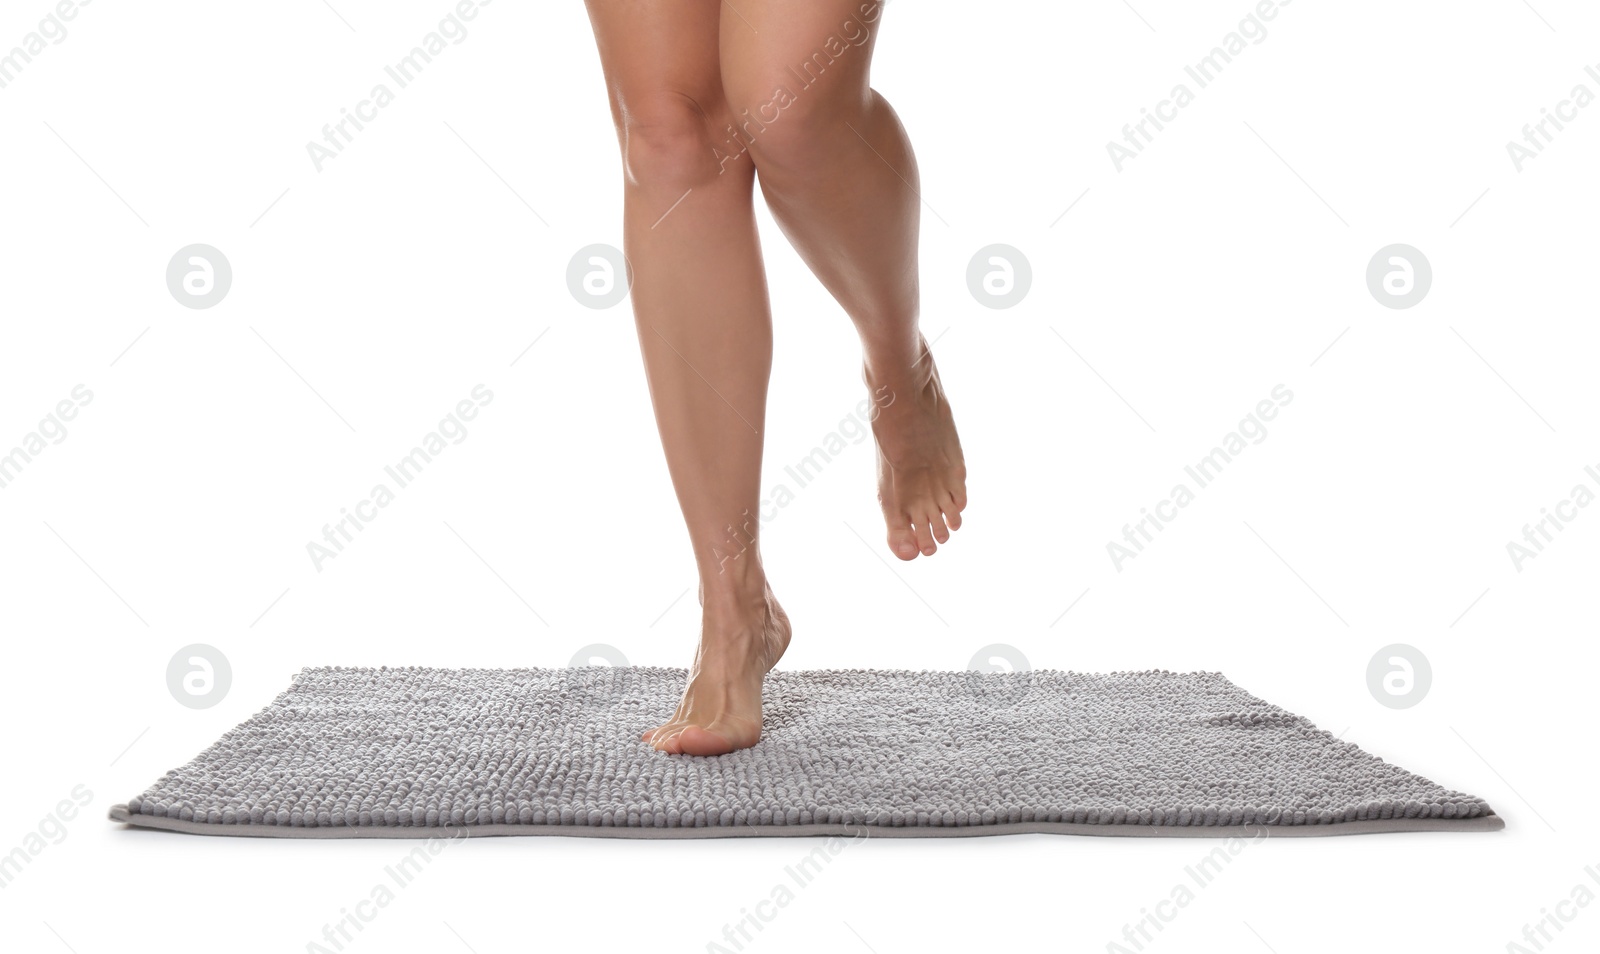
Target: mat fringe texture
421,752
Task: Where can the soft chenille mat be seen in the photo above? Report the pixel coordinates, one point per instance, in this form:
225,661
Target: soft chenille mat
415,752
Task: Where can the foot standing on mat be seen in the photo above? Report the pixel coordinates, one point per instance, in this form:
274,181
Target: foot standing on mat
707,100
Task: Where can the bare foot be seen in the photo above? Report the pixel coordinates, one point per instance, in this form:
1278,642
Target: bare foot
922,477
740,640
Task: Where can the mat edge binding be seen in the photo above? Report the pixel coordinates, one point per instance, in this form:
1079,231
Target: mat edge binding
1482,823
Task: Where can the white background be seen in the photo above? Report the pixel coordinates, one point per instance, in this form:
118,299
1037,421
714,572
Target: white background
1223,261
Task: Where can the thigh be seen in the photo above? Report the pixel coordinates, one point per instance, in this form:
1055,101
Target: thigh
805,56
658,56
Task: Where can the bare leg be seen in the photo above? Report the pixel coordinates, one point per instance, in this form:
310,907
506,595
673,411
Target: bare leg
840,177
705,330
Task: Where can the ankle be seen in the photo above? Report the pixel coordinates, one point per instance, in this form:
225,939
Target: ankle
735,593
897,366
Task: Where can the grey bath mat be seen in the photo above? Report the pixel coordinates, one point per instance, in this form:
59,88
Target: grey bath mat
413,752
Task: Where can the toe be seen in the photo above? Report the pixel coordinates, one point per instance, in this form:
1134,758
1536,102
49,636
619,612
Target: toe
936,524
694,740
952,511
903,542
925,537
661,731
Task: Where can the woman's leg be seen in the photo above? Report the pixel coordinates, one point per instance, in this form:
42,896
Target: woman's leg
839,175
705,330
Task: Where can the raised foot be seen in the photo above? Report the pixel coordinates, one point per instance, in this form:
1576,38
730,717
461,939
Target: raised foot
922,475
740,641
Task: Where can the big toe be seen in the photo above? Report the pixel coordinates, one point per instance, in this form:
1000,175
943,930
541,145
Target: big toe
903,543
694,740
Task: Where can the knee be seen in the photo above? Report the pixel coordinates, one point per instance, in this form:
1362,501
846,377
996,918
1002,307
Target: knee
667,142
